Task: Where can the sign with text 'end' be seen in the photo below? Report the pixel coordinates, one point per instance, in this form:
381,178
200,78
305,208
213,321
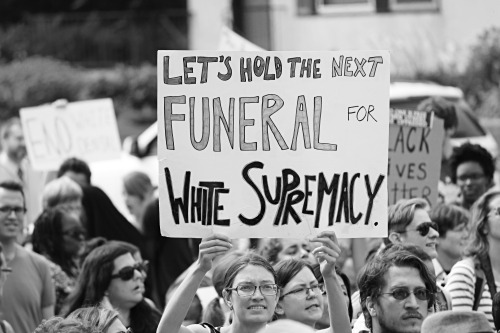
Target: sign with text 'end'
55,132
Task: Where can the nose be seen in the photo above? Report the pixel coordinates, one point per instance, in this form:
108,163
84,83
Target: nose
433,233
411,302
258,294
138,274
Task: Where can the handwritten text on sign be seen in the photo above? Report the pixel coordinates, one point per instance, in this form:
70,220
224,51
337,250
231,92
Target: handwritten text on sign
414,156
86,130
273,144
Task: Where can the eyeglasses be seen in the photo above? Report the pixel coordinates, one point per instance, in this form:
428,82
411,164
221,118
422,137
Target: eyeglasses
472,177
403,293
423,228
129,330
127,272
75,234
6,270
7,210
322,288
302,291
495,211
247,290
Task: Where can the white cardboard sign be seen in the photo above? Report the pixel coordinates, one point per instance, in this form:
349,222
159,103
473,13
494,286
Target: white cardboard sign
273,144
86,130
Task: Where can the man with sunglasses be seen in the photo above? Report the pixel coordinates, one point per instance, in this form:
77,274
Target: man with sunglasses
397,292
28,294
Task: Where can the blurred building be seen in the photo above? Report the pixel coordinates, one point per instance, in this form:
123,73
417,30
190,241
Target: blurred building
422,35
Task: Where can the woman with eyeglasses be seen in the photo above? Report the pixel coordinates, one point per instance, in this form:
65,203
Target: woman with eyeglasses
110,274
249,290
301,294
472,279
59,237
4,271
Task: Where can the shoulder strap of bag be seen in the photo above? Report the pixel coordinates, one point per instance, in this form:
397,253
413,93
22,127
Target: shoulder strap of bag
212,329
484,259
479,286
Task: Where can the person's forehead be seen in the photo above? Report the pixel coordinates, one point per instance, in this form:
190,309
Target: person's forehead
8,196
289,242
468,167
305,277
403,276
494,202
253,274
123,260
420,216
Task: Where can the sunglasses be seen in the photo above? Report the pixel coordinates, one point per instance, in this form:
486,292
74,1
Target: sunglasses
423,228
127,272
403,293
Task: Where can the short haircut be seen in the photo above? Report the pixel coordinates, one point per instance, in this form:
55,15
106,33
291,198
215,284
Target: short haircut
287,269
5,129
470,152
14,186
59,191
77,166
137,183
371,279
448,217
402,213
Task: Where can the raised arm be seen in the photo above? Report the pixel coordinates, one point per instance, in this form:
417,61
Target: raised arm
178,306
327,255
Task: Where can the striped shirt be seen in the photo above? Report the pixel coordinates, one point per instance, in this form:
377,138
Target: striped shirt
461,285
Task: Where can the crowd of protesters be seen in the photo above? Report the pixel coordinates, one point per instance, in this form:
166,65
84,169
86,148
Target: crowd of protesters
81,266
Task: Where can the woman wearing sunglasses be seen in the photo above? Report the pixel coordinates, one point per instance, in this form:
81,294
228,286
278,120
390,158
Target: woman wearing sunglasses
59,237
110,274
249,290
472,279
301,294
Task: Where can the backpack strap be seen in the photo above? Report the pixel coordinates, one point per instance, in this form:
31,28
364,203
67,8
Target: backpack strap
210,327
479,286
484,259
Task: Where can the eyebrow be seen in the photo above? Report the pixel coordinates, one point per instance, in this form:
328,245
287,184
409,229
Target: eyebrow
251,282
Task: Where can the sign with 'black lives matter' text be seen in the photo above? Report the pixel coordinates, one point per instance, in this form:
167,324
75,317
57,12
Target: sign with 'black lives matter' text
273,144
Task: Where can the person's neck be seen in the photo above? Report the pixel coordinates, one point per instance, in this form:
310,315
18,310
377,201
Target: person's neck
123,314
9,249
494,248
446,261
239,327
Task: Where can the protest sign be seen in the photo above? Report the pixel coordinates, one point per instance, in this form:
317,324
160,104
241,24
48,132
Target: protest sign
415,145
86,130
273,144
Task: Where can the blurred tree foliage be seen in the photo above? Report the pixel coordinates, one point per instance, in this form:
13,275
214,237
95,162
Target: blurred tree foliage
481,80
38,80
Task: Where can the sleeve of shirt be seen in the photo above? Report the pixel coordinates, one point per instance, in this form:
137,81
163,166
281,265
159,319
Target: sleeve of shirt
461,284
48,292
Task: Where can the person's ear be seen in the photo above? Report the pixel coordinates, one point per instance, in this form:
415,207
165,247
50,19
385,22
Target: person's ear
280,311
370,306
227,299
395,238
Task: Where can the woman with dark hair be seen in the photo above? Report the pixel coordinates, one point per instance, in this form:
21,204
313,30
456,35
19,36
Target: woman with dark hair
301,299
474,280
59,237
110,274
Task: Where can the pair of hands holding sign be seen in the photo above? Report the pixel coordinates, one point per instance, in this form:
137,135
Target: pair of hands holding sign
215,246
